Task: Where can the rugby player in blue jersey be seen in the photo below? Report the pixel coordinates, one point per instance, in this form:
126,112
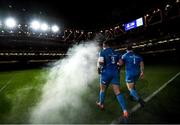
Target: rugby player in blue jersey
134,68
109,73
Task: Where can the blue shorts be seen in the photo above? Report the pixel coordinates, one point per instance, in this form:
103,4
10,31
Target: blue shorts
132,78
108,77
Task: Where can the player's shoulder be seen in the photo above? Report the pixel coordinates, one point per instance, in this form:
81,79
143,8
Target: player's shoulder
117,52
125,54
101,52
108,50
138,55
105,51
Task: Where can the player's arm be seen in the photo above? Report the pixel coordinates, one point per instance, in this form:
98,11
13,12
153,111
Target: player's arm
100,63
142,69
101,60
120,63
122,60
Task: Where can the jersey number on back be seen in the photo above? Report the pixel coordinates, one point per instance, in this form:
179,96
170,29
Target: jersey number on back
113,60
134,59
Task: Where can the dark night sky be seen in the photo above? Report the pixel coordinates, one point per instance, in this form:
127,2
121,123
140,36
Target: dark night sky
88,15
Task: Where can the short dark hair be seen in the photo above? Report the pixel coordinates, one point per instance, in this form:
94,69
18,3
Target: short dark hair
108,42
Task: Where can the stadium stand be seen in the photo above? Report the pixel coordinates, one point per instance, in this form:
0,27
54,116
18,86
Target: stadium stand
158,38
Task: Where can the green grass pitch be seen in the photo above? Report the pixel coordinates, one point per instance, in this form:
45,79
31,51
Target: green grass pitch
20,91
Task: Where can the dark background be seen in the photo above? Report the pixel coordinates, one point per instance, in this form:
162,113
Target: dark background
87,14
90,16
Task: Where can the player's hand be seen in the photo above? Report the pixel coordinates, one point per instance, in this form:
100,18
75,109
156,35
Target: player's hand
118,67
142,75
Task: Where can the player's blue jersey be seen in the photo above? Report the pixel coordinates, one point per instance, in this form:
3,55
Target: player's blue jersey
111,59
110,71
132,63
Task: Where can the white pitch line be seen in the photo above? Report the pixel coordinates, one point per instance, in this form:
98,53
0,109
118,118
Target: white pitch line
136,107
6,84
162,87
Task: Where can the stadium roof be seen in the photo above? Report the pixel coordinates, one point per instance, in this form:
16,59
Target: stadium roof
87,15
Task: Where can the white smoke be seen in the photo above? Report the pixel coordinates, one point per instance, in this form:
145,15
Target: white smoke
67,81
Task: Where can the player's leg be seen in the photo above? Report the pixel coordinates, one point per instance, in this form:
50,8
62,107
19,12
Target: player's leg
130,82
133,92
103,86
102,94
119,95
120,98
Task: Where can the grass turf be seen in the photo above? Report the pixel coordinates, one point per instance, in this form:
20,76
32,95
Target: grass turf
21,90
163,108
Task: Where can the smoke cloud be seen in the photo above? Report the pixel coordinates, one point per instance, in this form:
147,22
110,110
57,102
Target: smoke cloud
67,83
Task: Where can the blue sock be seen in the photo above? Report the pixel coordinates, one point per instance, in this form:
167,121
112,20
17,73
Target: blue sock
134,94
101,97
121,101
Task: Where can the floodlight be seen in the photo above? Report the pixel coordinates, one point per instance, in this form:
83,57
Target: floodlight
10,22
55,28
44,27
35,25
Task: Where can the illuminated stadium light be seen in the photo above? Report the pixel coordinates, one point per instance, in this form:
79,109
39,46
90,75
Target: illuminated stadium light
44,27
177,39
147,15
10,22
35,25
171,40
164,41
19,25
167,7
116,27
55,28
154,11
